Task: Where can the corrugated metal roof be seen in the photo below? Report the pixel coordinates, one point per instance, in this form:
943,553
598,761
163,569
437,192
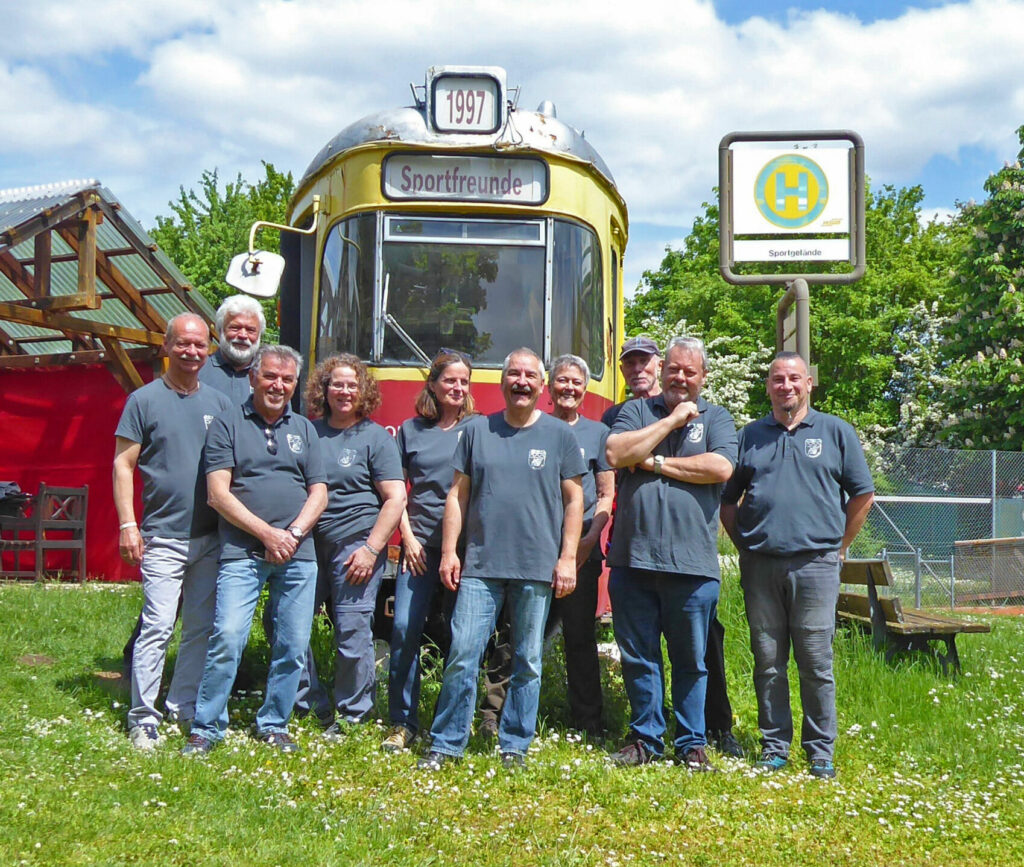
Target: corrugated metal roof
25,213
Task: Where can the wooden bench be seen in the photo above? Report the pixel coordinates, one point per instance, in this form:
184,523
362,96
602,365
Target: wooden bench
893,628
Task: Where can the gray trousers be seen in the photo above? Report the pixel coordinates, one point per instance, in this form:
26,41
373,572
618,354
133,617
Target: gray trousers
173,569
792,600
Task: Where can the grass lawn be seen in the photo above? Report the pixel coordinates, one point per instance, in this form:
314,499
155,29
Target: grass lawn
931,769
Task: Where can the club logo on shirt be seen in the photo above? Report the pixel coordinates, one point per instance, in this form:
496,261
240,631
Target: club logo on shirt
206,420
347,457
295,443
538,457
583,454
695,432
812,448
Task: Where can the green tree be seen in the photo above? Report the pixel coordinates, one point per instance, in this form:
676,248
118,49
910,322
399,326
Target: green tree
207,228
852,327
984,345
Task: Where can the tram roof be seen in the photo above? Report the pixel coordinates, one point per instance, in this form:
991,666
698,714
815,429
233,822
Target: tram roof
524,131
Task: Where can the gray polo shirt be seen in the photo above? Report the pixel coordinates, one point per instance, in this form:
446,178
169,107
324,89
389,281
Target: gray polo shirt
354,458
795,484
660,523
219,373
426,453
171,431
514,520
272,486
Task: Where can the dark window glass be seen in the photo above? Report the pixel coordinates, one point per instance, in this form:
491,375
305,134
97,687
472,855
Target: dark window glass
577,302
484,299
346,288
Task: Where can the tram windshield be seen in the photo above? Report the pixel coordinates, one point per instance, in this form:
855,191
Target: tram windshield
472,285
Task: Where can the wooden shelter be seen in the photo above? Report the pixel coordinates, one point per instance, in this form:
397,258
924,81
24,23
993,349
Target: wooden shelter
85,296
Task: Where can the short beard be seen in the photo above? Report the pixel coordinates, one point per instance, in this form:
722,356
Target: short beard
239,358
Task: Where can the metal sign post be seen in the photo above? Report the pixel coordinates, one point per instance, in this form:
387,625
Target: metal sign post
791,198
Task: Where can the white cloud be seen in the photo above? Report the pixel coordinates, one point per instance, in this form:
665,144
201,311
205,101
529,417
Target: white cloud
655,85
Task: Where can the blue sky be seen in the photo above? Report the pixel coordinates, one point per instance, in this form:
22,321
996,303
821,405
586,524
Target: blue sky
145,96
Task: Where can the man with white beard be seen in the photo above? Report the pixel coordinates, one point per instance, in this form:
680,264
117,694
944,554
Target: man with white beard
240,327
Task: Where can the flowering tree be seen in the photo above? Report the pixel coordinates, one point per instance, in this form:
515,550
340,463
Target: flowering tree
985,403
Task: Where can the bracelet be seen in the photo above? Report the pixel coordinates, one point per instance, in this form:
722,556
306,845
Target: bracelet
127,524
371,549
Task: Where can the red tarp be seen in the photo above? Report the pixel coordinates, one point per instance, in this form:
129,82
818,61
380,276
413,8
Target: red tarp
58,427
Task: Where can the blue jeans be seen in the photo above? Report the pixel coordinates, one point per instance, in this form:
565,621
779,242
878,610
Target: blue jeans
415,597
645,605
292,587
352,605
793,600
476,609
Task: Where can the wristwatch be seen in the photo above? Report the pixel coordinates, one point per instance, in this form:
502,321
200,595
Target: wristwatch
659,463
296,532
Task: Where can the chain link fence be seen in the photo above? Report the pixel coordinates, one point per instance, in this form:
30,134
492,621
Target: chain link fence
951,523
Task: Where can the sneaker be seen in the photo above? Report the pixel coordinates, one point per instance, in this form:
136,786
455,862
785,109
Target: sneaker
197,745
823,769
434,761
513,761
281,741
397,739
632,754
726,744
488,729
697,760
145,736
771,762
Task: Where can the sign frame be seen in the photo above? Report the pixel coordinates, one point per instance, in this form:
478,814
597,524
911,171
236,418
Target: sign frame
444,158
726,191
493,74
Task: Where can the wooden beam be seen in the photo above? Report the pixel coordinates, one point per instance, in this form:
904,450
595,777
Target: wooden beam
120,365
148,253
14,271
87,257
120,286
141,354
9,343
41,263
48,219
63,322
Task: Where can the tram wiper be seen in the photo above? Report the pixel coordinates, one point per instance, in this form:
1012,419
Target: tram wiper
397,328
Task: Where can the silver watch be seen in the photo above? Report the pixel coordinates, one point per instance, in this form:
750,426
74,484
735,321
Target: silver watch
296,532
659,464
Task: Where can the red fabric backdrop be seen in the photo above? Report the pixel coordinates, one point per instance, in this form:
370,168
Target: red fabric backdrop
58,427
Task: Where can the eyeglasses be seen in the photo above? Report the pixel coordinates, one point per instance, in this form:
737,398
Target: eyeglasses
271,440
444,350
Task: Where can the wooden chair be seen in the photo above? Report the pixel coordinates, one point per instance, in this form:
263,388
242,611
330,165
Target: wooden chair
53,520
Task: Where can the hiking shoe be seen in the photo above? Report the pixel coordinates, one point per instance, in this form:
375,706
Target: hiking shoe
145,736
513,761
397,739
823,769
488,729
434,761
280,741
771,762
726,744
197,745
697,760
632,754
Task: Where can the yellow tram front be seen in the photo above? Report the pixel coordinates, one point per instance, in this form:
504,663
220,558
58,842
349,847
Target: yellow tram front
461,223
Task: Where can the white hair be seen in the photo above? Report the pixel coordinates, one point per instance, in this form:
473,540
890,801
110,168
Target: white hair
240,304
181,317
689,344
569,360
523,350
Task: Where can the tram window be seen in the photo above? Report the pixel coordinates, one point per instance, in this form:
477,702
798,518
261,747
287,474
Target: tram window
474,286
577,298
346,288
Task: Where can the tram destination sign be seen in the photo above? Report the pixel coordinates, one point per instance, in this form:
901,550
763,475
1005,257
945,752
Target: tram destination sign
444,177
